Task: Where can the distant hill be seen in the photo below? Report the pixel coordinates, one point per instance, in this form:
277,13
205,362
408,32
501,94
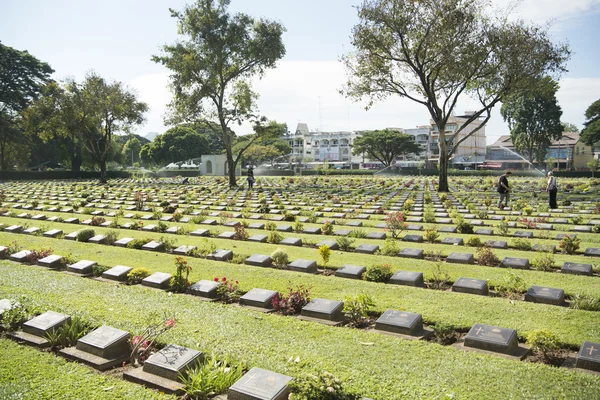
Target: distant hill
122,139
151,135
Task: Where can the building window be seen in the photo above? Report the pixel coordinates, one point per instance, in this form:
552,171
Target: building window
583,150
577,151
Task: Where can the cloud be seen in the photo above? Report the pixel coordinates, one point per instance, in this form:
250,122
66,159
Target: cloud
541,11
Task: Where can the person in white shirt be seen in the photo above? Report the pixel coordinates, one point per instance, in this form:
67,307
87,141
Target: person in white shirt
552,190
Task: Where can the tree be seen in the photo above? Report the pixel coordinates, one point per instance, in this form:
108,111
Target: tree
21,78
533,117
131,150
385,145
213,67
113,108
593,165
591,132
569,127
177,144
435,52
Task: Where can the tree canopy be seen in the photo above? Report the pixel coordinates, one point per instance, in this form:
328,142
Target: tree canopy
533,117
212,68
180,143
435,52
22,77
591,132
385,145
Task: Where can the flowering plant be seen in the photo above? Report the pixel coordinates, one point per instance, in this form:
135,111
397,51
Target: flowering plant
142,344
228,291
394,223
179,282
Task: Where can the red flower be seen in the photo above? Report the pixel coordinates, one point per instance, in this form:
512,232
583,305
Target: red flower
170,323
237,282
216,279
224,279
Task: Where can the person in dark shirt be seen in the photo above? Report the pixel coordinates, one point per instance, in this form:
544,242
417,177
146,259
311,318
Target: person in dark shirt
504,190
250,177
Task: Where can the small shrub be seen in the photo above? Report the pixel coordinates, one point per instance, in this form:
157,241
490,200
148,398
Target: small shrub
238,259
203,249
240,232
431,235
325,253
322,387
162,227
474,241
212,377
485,256
13,248
394,222
98,269
439,278
502,228
68,334
228,291
596,228
270,226
137,275
357,309
464,227
433,255
378,273
198,219
179,282
142,345
543,262
344,243
511,285
327,228
111,237
97,221
138,243
35,255
292,304
390,247
298,226
169,243
521,244
569,244
280,258
544,344
444,334
85,234
585,302
358,233
18,313
274,237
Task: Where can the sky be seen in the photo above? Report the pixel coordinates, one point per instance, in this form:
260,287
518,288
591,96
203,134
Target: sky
116,38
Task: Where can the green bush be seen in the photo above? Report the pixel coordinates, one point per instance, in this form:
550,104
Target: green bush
444,334
357,309
543,262
67,334
322,387
521,244
511,285
440,278
431,235
85,235
98,269
327,228
280,258
464,227
583,302
344,243
378,273
18,313
138,243
485,256
137,275
111,237
544,344
390,247
274,237
474,241
569,244
213,377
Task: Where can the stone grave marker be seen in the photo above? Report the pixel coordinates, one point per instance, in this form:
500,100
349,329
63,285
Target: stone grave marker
523,234
411,253
589,356
493,338
256,225
31,231
71,236
291,242
545,295
260,384
149,228
471,286
221,255
332,244
577,269
123,242
582,228
153,246
496,244
447,229
226,235
453,241
98,239
376,235
83,268
367,248
284,228
413,238
183,250
5,304
342,232
51,261
561,236
258,298
53,233
592,252
200,232
72,220
408,278
117,273
461,258
36,329
411,227
312,231
401,322
258,238
350,271
513,262
103,348
300,265
158,280
205,289
323,310
259,260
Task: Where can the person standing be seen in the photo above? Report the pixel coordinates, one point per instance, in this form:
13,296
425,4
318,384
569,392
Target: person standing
250,177
552,189
504,190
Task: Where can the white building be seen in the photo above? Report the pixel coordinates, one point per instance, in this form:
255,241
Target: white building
470,153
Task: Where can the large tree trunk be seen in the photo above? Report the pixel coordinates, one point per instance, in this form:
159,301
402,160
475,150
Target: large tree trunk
443,161
231,170
3,166
103,169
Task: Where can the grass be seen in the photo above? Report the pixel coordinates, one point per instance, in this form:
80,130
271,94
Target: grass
27,373
366,362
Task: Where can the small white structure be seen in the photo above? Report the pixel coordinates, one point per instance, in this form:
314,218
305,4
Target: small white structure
216,165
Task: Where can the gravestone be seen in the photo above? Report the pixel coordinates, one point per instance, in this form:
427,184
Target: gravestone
117,273
589,356
172,362
410,227
51,261
83,268
592,252
493,338
523,234
582,228
184,250
561,236
35,330
53,233
259,260
323,310
545,295
258,238
411,253
291,242
72,220
3,252
284,228
221,255
453,241
256,225
332,244
496,244
447,229
5,304
341,232
312,231
350,271
413,238
299,265
513,262
158,280
31,231
367,248
226,235
401,322
544,248
260,384
408,278
123,242
98,239
200,232
258,298
461,258
103,348
71,236
153,246
376,235
206,289
471,286
577,269
149,228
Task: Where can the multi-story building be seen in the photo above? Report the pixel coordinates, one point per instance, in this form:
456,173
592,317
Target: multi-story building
470,153
568,153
